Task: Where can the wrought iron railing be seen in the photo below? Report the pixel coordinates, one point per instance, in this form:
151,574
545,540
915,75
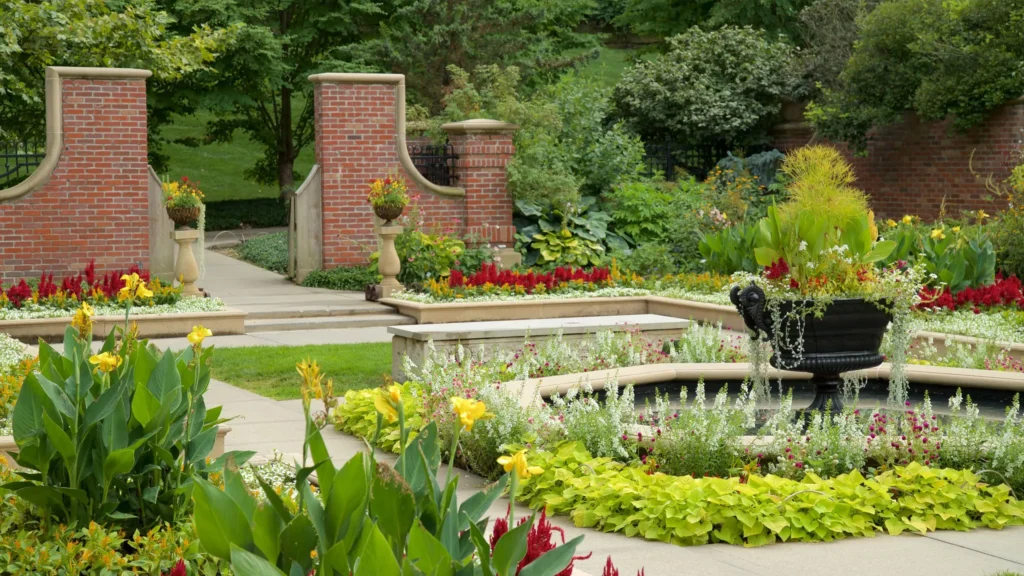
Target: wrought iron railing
18,159
670,158
436,162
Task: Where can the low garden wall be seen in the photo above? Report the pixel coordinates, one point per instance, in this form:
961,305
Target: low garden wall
222,323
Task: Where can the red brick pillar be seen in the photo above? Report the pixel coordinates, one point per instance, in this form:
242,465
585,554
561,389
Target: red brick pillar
484,148
89,200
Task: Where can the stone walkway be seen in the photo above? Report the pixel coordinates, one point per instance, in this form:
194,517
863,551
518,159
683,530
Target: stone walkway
264,425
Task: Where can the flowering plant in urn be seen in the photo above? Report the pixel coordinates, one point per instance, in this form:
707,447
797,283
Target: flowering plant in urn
183,200
823,298
388,197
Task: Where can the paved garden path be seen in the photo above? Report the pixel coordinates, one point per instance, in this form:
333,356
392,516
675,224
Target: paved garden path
266,425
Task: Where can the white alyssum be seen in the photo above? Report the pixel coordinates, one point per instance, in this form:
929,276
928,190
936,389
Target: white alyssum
183,306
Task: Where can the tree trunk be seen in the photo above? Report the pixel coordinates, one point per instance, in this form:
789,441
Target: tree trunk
285,144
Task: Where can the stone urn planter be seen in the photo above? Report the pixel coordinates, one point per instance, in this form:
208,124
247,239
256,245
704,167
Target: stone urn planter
388,213
183,216
846,338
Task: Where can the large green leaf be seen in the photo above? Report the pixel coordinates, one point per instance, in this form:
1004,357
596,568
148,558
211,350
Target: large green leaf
117,463
375,557
392,505
298,540
249,564
766,256
60,440
165,384
220,523
266,531
107,401
347,501
145,406
879,252
477,505
510,549
427,553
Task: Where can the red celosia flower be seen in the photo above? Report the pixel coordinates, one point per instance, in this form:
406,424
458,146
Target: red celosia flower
777,270
794,284
529,281
178,570
18,293
1004,292
538,541
611,570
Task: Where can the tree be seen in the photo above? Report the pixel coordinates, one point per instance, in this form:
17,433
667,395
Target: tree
665,18
721,86
259,84
828,30
957,60
422,38
34,35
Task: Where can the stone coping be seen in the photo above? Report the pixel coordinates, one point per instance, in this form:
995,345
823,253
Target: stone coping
8,446
222,323
704,312
535,327
659,373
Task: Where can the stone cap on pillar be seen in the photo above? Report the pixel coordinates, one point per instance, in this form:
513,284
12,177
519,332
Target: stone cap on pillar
480,126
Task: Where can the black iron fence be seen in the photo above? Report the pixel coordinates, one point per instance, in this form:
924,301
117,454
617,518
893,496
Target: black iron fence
436,162
18,159
671,159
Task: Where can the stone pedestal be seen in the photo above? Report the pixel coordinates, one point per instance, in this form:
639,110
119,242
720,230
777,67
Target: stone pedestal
508,258
186,269
388,264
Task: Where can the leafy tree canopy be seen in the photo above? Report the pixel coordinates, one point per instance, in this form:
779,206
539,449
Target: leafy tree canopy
667,17
260,85
131,34
941,59
422,38
719,86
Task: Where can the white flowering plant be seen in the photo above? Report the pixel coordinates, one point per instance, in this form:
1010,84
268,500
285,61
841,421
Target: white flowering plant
601,425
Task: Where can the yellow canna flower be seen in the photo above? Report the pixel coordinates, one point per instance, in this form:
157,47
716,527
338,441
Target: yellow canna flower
469,411
395,392
82,320
134,286
106,362
908,219
142,292
890,223
198,334
982,215
938,234
382,402
518,463
956,229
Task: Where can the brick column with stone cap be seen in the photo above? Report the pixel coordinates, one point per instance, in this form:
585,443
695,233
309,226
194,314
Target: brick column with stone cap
484,148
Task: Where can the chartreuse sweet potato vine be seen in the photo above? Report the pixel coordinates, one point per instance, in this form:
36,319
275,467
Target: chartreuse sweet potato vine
605,495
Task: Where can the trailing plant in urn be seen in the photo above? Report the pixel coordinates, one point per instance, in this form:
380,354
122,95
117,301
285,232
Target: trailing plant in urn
388,197
822,297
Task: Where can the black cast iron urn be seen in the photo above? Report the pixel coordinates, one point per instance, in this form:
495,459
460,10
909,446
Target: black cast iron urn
846,338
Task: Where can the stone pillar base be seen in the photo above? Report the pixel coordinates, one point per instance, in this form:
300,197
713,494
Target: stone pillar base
186,269
508,258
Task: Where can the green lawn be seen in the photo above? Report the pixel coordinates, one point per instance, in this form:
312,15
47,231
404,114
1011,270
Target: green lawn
608,67
270,370
219,167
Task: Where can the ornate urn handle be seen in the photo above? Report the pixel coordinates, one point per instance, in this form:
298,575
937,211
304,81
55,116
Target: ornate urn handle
750,303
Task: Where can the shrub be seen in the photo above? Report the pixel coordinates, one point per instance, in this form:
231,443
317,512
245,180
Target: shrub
115,436
820,181
713,86
426,257
649,260
269,251
600,425
553,235
252,213
641,211
731,249
1008,228
353,278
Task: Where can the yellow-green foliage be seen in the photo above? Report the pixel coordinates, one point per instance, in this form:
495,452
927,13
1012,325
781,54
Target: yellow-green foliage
357,416
820,180
609,496
30,547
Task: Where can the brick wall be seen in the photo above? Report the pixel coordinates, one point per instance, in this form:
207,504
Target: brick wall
95,205
912,166
356,143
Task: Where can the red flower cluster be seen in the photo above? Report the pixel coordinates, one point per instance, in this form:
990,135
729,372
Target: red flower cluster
777,270
1004,292
611,570
489,274
538,541
178,570
110,284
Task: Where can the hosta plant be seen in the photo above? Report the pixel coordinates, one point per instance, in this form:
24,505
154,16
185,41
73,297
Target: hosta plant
117,435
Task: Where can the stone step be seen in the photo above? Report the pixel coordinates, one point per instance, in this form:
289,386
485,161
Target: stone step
324,322
314,310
